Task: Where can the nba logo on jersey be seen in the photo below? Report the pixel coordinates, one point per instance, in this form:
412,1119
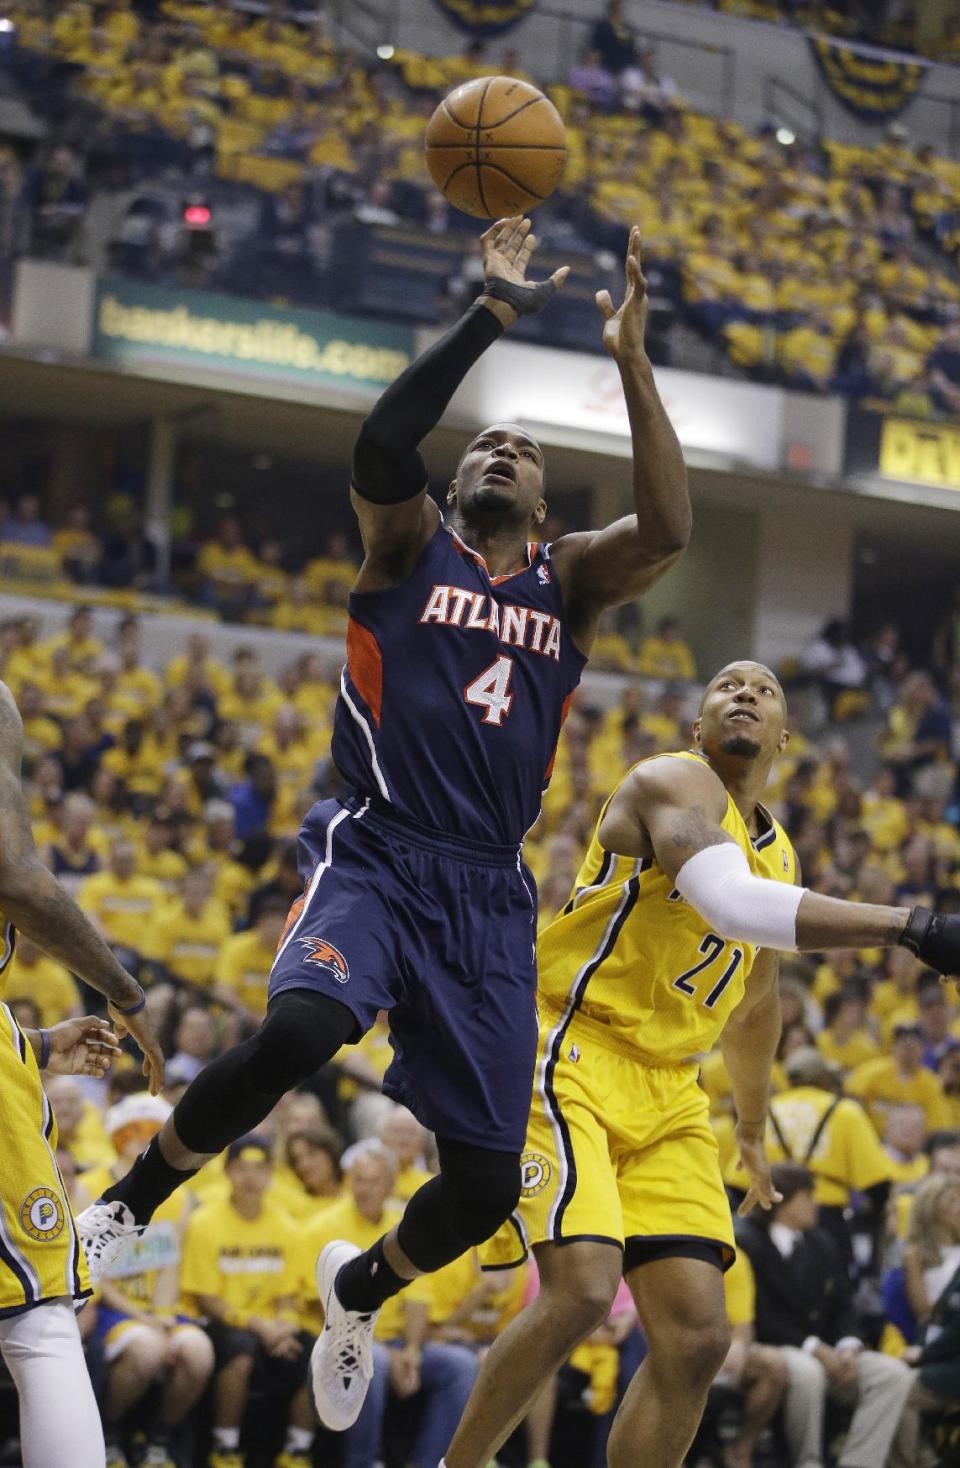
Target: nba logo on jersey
543,575
325,956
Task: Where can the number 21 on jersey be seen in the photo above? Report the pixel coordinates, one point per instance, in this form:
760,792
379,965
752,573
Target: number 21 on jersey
712,947
490,690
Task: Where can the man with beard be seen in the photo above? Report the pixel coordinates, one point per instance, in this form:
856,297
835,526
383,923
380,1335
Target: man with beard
669,943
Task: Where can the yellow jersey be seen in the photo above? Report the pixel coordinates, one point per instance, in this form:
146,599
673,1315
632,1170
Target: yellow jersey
628,953
345,1221
248,1263
40,1255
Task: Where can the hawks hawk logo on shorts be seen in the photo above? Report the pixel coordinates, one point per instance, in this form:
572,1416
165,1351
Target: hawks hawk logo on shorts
41,1215
324,955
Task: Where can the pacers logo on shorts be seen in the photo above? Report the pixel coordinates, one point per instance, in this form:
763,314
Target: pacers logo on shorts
42,1216
324,955
535,1173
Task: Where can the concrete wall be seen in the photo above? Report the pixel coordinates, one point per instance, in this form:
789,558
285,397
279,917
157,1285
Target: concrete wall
720,63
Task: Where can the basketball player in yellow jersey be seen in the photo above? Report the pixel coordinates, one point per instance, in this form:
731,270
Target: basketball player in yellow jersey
41,1268
669,942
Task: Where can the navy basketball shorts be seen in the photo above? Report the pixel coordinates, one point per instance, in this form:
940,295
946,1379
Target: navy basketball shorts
441,934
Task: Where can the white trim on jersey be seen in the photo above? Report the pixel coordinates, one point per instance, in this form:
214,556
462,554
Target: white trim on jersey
322,867
73,1283
548,1057
367,734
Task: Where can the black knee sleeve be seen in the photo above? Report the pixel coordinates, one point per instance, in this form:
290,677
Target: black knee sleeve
232,1095
476,1192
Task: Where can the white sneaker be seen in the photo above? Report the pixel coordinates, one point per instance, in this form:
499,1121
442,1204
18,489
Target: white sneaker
105,1230
341,1363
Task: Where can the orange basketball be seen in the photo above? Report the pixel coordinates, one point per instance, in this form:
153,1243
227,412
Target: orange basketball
496,147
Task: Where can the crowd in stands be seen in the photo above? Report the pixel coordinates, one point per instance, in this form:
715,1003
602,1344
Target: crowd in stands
167,797
815,263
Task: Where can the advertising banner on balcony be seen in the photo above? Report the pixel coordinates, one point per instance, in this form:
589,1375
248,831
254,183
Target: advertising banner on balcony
486,17
903,450
578,395
874,84
139,323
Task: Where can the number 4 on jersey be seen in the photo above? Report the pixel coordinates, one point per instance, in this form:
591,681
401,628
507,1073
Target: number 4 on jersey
490,690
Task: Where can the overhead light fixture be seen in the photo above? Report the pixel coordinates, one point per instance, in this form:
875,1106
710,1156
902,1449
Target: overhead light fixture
6,25
386,52
786,136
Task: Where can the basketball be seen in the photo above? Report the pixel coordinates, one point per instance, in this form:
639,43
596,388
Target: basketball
496,147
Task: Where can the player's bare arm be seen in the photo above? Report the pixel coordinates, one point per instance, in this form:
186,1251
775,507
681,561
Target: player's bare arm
672,810
389,477
33,900
749,1045
604,568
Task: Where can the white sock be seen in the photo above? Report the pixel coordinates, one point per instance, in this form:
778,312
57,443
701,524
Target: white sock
227,1438
299,1440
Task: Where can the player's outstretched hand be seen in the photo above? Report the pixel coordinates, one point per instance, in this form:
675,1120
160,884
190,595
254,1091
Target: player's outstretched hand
82,1047
623,330
754,1160
507,247
140,1028
935,939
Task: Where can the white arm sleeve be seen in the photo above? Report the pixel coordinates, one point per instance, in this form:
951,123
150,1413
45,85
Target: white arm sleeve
718,882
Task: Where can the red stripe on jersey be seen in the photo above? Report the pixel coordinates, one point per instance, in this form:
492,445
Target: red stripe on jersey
565,709
366,666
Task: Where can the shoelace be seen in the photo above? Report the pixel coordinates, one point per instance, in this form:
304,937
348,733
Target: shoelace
108,1230
350,1348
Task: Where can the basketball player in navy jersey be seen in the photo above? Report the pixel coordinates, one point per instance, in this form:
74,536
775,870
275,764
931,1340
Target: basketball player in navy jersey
466,641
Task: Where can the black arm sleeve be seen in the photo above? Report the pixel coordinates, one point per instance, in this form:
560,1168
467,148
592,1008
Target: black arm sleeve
387,468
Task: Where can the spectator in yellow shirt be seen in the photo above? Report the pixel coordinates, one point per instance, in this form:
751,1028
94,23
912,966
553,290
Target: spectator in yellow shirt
245,960
239,1275
145,1342
402,1134
313,1155
252,701
79,1123
185,938
830,1134
82,648
32,975
406,1363
666,654
845,1040
41,734
196,668
121,902
157,857
903,1139
228,572
898,1079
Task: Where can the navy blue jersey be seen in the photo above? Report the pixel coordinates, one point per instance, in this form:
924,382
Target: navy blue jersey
456,687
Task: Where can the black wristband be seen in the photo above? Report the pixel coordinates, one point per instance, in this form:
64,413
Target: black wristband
44,1060
917,930
525,299
134,1008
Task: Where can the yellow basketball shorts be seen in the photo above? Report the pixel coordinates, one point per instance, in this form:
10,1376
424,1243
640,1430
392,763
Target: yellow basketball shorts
40,1254
617,1151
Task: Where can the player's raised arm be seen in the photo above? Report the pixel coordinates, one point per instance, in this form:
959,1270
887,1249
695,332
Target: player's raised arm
389,477
33,900
603,568
672,809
